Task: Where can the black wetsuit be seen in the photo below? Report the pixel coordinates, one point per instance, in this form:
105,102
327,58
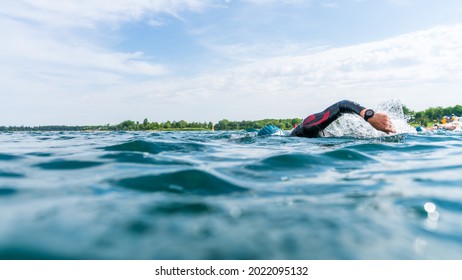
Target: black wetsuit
314,124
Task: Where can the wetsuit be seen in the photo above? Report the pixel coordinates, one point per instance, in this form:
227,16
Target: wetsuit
314,124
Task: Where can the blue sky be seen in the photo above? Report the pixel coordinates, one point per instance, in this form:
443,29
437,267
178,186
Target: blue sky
96,62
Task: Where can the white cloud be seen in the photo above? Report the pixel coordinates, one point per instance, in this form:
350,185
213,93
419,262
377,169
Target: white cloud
31,49
48,37
87,13
51,64
156,22
421,57
330,5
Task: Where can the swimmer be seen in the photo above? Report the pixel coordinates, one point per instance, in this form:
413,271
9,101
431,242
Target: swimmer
270,130
423,128
313,125
448,126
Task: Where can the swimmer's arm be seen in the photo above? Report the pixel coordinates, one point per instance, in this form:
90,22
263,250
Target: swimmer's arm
380,121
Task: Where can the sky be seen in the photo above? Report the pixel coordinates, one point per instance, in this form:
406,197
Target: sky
86,62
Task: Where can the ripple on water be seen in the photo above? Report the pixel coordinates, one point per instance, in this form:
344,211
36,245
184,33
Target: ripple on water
182,182
137,157
40,154
7,191
10,174
67,164
185,208
286,161
155,147
372,147
8,157
347,155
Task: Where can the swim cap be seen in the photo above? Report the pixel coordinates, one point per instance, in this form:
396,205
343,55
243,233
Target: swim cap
270,130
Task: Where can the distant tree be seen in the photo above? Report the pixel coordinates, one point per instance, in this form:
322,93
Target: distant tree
145,124
126,125
182,124
153,125
223,124
167,124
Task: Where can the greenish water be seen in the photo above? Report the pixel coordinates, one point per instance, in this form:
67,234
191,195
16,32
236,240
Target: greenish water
229,195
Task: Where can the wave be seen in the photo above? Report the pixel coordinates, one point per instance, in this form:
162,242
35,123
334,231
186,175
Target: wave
191,181
348,155
186,208
67,164
7,191
156,147
303,161
136,157
10,174
8,157
286,162
40,154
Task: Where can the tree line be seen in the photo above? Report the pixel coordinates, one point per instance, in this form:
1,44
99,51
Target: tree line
127,125
168,125
130,125
430,115
284,124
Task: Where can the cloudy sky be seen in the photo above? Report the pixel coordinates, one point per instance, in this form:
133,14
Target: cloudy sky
96,62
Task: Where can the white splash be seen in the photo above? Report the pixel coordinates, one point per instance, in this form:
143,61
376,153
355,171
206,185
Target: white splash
352,125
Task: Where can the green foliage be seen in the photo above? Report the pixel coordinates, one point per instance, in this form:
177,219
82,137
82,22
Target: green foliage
433,114
285,124
126,125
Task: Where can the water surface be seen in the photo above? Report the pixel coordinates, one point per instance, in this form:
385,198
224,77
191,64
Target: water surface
229,195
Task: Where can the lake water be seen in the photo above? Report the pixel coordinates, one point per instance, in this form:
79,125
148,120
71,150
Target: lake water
229,195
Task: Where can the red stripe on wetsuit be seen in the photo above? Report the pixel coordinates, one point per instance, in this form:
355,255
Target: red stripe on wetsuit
313,125
313,117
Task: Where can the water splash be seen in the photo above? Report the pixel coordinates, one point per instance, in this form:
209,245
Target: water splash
351,125
394,108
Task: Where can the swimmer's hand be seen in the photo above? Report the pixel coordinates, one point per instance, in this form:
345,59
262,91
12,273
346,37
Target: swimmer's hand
381,121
